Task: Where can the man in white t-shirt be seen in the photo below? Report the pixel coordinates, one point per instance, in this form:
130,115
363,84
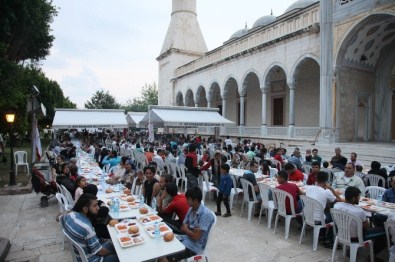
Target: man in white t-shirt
228,141
352,195
324,193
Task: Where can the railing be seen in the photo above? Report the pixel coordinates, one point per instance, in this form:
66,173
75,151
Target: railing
232,130
277,131
252,131
306,132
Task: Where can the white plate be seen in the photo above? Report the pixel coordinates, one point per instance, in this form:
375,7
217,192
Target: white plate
123,208
147,219
134,241
162,227
122,230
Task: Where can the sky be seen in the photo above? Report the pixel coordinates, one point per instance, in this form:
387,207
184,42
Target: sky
113,45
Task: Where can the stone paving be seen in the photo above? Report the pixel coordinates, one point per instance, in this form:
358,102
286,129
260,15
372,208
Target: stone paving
36,236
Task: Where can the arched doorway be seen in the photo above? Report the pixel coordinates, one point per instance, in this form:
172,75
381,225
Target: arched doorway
189,101
277,101
253,100
307,93
363,71
214,96
232,99
201,97
179,99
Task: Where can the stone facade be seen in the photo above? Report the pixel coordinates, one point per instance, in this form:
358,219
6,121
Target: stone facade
273,80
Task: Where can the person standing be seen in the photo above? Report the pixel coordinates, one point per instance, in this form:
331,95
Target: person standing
225,186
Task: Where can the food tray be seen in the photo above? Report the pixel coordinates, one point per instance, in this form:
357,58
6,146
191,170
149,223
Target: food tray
163,228
149,219
128,241
123,208
133,205
121,228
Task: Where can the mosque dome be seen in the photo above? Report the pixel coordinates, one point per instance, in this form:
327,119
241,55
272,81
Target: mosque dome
300,4
239,33
264,20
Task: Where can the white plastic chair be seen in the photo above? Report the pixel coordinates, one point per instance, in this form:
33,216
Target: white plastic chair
63,203
375,179
20,158
205,253
389,233
184,180
267,205
310,207
106,168
207,186
113,170
374,191
277,164
246,198
279,202
136,190
173,171
75,246
234,192
344,221
273,171
68,195
141,160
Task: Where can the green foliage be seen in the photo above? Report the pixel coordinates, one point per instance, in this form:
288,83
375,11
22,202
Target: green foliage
24,40
102,100
149,96
25,29
15,83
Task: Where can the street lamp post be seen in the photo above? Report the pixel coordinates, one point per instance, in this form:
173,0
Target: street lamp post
10,119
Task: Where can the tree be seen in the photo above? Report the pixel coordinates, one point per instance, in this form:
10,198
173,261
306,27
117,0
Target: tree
149,96
25,29
102,100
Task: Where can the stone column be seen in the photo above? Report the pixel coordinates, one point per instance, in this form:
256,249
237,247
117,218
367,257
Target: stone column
196,104
291,127
224,107
208,103
242,111
326,69
264,91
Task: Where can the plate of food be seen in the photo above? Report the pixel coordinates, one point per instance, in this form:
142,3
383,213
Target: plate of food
133,205
367,200
370,207
163,229
149,219
123,207
125,241
121,228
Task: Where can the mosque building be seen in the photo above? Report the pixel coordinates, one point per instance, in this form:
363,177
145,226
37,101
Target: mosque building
322,69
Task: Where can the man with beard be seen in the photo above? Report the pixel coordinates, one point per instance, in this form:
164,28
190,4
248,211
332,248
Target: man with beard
78,226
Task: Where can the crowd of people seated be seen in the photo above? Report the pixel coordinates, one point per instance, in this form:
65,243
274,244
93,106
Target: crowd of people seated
199,155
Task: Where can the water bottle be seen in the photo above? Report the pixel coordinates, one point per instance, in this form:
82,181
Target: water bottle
153,204
116,206
379,198
156,230
120,187
141,200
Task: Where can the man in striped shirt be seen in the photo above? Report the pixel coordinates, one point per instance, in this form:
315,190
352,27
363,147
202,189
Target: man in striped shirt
79,227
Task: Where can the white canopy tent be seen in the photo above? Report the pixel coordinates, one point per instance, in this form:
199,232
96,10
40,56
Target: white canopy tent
179,116
134,118
89,118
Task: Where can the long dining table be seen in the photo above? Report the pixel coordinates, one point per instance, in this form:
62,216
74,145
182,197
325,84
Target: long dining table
148,247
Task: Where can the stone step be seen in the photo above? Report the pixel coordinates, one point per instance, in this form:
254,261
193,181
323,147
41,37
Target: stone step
4,248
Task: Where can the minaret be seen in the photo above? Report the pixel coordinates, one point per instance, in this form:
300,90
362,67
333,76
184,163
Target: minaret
184,43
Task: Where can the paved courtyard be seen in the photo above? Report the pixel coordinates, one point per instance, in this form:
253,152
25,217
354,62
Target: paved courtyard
36,236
